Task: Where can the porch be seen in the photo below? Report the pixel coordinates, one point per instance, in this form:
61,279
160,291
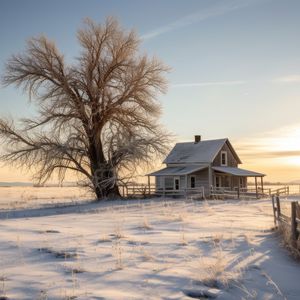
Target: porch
235,180
191,180
206,181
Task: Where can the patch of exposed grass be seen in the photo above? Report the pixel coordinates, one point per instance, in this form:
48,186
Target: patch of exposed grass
59,254
104,239
51,231
75,269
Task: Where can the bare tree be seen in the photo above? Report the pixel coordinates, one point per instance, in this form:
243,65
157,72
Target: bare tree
97,116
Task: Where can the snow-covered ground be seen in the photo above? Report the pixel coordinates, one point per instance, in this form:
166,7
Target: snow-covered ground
16,197
151,249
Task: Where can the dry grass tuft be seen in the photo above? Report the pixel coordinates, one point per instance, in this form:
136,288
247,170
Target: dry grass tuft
146,225
104,239
285,232
43,295
118,254
207,207
273,284
118,233
3,288
217,239
215,273
248,239
146,255
183,240
74,269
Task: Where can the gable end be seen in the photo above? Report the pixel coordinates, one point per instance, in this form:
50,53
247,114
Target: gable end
232,158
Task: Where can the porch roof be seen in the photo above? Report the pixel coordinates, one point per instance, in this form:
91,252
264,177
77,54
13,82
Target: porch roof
238,172
173,171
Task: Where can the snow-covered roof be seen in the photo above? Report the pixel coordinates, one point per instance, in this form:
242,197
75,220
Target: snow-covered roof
170,171
238,172
201,152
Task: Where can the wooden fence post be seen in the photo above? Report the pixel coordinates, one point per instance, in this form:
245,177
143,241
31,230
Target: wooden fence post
294,231
278,211
274,210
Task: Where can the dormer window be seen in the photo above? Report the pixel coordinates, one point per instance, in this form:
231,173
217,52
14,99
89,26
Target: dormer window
223,158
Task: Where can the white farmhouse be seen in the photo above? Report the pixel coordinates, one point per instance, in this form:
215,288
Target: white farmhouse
209,165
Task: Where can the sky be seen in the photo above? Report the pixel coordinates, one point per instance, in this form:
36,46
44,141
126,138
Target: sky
235,68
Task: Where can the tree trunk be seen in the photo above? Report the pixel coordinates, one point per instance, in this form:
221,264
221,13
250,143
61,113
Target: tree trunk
103,192
104,177
104,181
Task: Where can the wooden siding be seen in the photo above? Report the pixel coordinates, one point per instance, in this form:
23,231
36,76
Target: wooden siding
232,182
231,161
169,182
201,180
158,183
182,182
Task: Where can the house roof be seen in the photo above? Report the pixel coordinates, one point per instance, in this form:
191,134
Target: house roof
171,171
201,152
237,172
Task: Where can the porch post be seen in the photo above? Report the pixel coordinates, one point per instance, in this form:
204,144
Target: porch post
238,188
149,185
209,179
186,185
256,187
262,184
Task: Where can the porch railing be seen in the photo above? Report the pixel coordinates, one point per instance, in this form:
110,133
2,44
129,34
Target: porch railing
237,193
189,192
143,190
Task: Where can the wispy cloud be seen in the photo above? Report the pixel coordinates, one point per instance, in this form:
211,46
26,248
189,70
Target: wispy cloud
208,83
295,78
254,153
218,9
283,142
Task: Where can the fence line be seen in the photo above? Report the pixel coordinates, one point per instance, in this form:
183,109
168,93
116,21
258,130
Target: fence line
144,190
292,222
285,190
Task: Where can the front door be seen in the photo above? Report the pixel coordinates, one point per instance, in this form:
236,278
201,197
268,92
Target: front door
218,181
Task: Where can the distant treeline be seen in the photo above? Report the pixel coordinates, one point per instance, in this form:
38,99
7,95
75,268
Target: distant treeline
276,183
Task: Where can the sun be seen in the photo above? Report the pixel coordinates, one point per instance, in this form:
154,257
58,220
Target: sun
287,145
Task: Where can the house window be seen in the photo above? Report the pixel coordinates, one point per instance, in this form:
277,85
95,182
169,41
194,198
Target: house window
223,158
241,182
218,181
176,183
193,182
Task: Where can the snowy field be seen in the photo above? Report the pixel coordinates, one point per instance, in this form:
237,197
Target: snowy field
154,249
16,197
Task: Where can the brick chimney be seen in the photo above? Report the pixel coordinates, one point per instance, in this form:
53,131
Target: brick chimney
197,139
